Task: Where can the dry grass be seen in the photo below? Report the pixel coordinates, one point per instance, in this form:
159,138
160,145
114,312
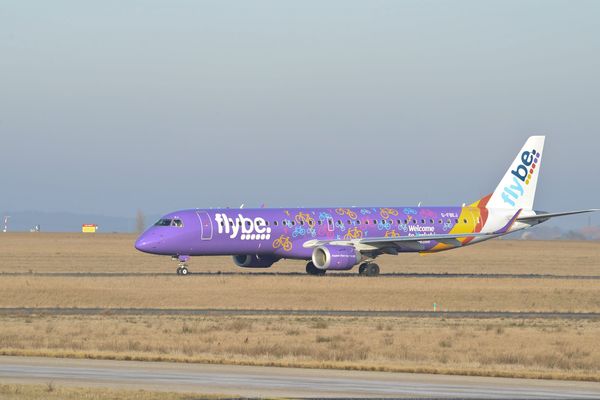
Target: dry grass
500,347
302,292
50,391
75,252
527,348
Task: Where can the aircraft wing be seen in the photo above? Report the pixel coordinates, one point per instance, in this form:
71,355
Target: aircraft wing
414,242
543,216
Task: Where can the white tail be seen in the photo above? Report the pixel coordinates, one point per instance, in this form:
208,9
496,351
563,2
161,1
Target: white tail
517,187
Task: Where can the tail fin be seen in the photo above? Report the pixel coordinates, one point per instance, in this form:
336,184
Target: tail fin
517,187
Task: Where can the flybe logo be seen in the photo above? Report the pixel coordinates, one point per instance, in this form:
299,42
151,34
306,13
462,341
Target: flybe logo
248,228
521,175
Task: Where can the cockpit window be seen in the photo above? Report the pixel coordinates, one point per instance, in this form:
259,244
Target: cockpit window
163,222
178,223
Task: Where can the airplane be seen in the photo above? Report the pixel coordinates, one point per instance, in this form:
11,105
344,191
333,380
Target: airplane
340,238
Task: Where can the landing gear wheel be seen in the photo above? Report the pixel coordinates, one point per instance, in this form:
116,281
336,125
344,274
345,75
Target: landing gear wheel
178,270
361,269
369,269
372,269
184,271
312,270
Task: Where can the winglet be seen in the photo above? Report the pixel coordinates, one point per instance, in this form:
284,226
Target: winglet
509,224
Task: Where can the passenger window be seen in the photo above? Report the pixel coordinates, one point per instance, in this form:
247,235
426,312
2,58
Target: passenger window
275,223
456,220
465,220
399,222
367,222
320,222
375,222
431,221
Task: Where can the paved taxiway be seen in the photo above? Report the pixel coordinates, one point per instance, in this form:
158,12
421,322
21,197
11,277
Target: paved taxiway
323,313
271,381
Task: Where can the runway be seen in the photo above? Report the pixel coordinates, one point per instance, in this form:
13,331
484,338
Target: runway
18,311
279,382
337,275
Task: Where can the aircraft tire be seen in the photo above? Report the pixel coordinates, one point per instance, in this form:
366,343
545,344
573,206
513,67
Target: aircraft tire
372,269
184,271
178,270
312,270
361,269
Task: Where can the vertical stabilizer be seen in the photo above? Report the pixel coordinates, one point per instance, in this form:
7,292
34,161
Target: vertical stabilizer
517,187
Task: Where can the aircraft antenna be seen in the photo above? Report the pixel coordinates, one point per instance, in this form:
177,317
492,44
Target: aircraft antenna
6,217
242,206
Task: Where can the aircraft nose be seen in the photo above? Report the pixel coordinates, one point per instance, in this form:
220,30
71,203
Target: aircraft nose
146,243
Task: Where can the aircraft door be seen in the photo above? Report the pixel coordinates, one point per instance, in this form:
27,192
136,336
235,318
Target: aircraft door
206,227
330,224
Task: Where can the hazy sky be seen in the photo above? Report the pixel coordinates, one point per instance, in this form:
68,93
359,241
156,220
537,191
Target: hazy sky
110,106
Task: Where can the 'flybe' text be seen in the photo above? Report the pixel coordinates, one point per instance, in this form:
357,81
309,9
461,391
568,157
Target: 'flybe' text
250,229
521,177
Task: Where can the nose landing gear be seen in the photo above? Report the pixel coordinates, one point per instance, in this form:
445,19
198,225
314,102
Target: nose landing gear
182,269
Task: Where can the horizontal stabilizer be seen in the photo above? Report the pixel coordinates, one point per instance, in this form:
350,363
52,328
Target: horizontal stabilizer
542,216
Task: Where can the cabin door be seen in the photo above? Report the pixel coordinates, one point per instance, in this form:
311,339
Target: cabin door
206,228
330,224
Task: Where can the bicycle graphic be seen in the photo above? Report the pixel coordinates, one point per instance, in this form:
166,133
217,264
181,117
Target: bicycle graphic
283,242
306,218
386,212
409,211
346,211
365,211
392,234
383,225
353,233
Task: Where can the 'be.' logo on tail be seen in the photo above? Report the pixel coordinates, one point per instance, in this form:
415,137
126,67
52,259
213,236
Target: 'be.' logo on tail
517,187
522,174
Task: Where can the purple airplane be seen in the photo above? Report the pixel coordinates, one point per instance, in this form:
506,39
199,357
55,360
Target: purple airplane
340,238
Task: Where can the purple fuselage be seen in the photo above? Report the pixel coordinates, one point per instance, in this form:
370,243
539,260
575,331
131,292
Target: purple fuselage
282,232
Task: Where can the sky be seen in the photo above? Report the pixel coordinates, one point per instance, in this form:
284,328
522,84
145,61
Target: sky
114,106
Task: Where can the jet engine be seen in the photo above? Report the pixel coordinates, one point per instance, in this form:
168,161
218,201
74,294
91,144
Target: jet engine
254,261
335,257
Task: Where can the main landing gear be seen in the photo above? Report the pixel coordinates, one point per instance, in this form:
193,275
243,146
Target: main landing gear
312,270
368,269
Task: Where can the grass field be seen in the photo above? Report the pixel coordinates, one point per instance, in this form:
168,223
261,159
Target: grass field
76,252
50,391
527,348
564,349
302,292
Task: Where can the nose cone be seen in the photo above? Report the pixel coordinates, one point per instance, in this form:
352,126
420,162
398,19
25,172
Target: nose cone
146,243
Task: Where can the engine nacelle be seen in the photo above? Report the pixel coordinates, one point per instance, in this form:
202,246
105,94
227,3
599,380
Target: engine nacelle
254,261
335,257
